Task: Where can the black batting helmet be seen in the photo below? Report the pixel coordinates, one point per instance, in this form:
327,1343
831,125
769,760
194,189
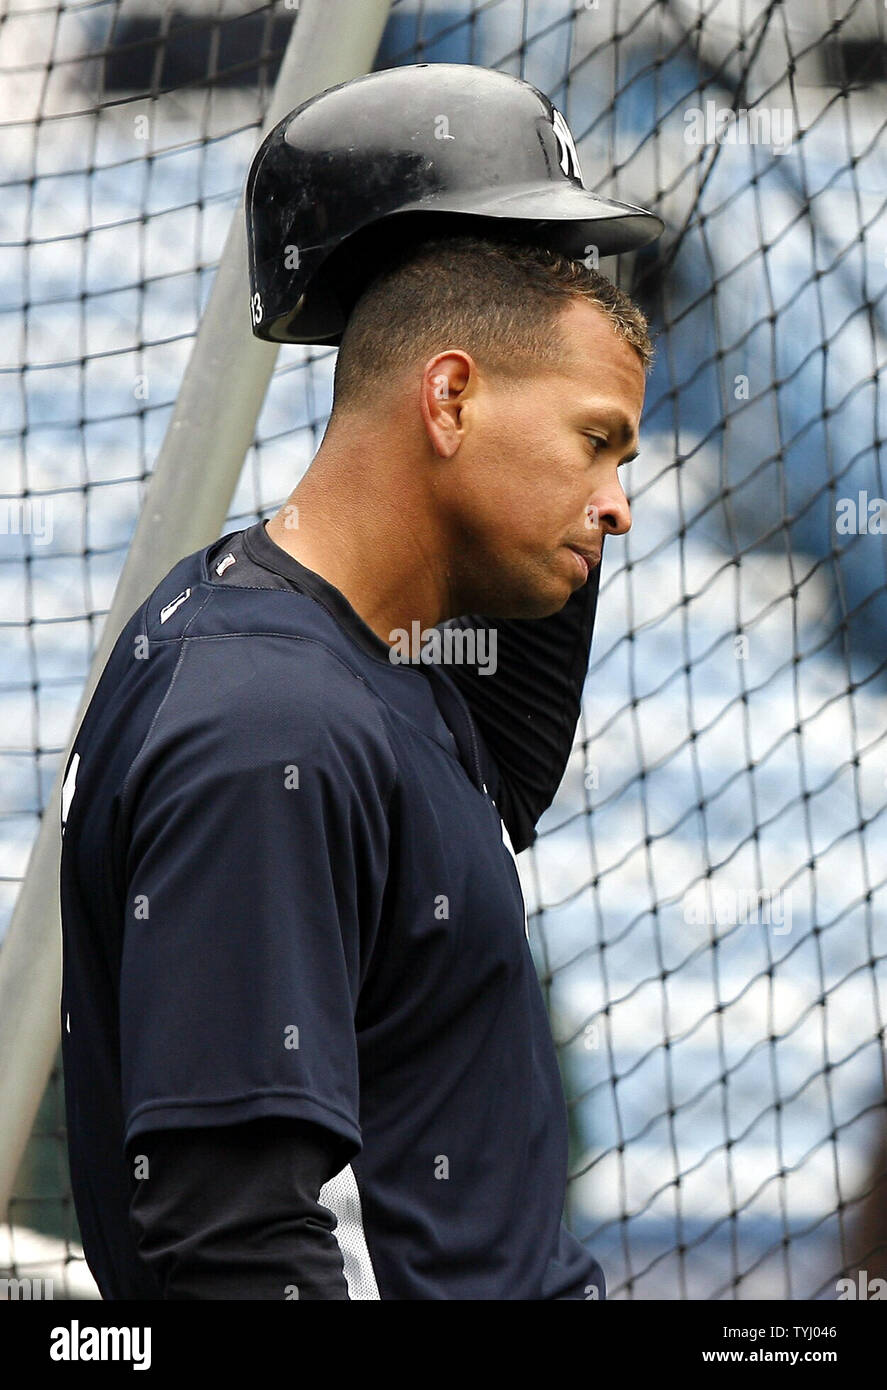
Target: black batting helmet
378,163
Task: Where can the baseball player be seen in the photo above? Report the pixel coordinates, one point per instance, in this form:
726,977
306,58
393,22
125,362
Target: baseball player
306,1054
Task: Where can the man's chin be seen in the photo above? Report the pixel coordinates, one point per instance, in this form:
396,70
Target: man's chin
554,607
539,594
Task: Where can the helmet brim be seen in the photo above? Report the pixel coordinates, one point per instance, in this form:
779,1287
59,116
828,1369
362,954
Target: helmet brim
580,218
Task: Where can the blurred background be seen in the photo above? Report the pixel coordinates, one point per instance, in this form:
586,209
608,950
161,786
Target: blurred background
724,1067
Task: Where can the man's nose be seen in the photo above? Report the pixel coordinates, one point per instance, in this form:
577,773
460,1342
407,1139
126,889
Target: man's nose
609,511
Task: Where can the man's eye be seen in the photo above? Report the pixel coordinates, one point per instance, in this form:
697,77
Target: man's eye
596,442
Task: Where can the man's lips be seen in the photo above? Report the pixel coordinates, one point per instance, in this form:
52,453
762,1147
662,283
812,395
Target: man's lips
586,553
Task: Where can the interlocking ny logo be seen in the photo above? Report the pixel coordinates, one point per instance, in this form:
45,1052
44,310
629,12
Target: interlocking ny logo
566,146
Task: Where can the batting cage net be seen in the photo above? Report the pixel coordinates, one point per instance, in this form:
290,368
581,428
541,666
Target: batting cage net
707,897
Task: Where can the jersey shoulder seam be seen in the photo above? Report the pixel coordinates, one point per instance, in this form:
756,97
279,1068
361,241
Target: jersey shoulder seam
378,704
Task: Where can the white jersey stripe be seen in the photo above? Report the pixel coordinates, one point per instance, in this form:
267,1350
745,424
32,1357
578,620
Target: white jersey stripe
342,1197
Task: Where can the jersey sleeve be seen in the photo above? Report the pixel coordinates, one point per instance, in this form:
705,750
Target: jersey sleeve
234,1212
527,703
254,827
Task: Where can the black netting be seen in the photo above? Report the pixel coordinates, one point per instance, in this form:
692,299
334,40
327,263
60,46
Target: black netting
707,896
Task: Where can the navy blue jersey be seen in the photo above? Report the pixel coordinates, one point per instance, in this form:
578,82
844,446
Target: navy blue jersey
288,889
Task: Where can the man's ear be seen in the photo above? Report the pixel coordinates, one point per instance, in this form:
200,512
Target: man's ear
447,381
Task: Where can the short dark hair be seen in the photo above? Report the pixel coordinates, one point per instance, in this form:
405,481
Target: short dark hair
497,300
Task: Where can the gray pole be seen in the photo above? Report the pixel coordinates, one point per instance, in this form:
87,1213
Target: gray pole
185,506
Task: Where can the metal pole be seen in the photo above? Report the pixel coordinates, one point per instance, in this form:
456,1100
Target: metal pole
185,506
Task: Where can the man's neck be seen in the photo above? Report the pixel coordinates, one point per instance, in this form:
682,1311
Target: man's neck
372,559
